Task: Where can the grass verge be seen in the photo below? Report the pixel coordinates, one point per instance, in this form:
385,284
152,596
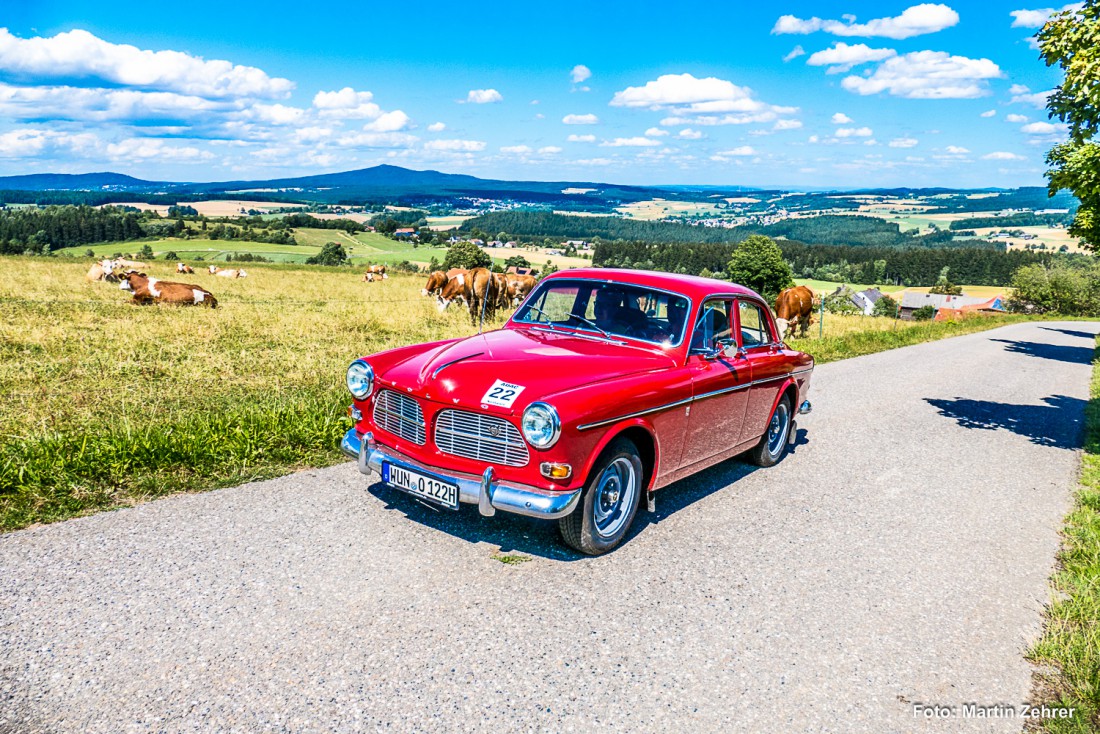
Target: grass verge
1069,650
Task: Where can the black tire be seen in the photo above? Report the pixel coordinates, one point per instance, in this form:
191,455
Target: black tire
767,452
607,507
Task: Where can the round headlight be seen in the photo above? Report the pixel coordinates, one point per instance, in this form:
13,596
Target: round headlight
541,426
360,379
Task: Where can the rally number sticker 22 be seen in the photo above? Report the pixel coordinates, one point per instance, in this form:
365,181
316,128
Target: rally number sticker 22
502,394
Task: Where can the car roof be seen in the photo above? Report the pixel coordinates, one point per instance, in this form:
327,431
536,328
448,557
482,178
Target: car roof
692,286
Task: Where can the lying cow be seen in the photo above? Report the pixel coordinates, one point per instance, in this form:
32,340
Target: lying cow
184,268
102,270
223,273
148,290
794,307
121,263
375,272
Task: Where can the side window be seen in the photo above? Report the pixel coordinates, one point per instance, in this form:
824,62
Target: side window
754,325
714,322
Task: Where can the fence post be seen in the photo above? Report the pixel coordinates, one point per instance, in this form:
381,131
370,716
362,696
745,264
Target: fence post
821,320
473,289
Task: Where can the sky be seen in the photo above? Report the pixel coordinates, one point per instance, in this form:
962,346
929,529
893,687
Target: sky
825,95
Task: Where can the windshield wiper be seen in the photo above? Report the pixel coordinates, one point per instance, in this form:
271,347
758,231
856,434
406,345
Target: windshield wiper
549,322
597,328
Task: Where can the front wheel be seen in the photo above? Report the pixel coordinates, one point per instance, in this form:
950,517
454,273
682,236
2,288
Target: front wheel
609,502
773,444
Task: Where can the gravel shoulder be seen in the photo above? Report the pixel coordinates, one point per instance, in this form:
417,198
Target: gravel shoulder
900,555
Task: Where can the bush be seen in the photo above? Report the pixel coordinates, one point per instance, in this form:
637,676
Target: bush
146,251
171,255
333,253
466,255
1073,291
517,261
885,306
924,313
89,253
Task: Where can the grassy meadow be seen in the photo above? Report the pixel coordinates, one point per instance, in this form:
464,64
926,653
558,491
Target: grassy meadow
107,404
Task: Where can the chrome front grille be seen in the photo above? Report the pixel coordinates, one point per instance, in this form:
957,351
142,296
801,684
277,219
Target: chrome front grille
480,437
400,415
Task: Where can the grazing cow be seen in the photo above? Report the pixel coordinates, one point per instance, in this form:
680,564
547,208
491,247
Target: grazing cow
148,290
375,272
222,273
481,288
454,288
503,301
436,280
184,268
519,286
794,307
102,270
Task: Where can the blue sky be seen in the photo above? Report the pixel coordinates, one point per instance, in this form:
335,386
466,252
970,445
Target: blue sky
813,95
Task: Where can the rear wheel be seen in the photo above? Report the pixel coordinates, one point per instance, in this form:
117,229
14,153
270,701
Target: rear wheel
773,444
609,502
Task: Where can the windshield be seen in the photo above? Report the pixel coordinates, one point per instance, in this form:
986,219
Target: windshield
607,309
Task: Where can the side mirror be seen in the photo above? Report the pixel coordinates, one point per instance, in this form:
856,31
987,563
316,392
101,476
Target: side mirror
725,347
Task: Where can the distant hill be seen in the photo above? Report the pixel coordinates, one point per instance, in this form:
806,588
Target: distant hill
75,182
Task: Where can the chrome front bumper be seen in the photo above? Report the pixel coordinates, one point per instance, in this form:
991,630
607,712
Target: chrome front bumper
483,491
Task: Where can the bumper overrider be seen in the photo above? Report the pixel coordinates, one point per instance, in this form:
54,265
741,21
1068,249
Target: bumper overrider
483,491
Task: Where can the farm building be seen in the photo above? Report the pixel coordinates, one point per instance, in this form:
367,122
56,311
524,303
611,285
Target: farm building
866,300
404,233
951,306
518,270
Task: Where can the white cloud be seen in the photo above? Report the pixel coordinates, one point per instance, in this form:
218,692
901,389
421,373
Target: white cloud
685,94
1043,128
787,125
904,143
581,139
312,134
276,114
914,21
689,134
549,150
78,54
437,127
841,119
31,143
842,57
388,122
956,150
655,132
346,104
455,146
594,162
742,150
927,75
795,53
989,113
580,73
377,140
588,119
1015,118
635,142
517,149
854,132
1038,18
146,148
483,96
1002,156
1023,95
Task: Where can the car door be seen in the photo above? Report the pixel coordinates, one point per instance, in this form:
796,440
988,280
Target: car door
764,352
719,385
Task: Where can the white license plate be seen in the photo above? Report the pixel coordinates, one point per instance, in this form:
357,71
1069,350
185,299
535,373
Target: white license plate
422,485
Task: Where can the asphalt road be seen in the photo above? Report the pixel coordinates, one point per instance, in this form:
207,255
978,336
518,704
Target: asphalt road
899,556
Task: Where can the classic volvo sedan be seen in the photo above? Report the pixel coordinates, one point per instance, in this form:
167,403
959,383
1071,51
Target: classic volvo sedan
603,387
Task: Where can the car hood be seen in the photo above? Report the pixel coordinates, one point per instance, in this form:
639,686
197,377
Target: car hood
536,363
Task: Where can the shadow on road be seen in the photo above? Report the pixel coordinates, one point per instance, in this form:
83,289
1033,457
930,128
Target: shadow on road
1058,423
518,534
1071,332
1076,355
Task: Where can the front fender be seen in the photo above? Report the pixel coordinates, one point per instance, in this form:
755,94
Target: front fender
614,431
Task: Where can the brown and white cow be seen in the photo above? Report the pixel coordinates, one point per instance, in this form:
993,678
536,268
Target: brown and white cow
148,290
121,263
519,286
453,289
223,273
481,294
375,272
184,268
794,307
502,300
436,280
102,270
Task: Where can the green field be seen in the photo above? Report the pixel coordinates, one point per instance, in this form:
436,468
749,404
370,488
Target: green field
828,286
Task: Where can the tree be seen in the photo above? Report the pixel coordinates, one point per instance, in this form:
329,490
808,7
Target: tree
758,264
1071,40
466,255
924,313
517,261
332,253
885,306
146,251
171,255
1060,288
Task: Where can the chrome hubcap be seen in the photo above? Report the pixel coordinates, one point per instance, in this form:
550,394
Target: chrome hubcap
616,493
777,430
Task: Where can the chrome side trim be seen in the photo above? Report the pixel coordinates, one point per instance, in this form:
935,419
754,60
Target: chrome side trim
685,401
445,365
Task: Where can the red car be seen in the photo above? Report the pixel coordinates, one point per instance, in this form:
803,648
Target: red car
603,387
